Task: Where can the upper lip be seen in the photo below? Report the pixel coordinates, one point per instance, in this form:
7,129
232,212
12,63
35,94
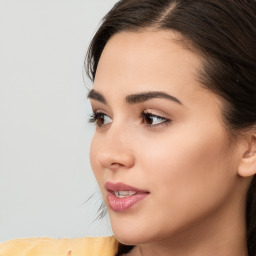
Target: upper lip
113,187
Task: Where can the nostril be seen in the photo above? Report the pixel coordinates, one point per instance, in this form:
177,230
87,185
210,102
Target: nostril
115,166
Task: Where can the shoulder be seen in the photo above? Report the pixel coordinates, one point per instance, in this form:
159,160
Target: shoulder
90,246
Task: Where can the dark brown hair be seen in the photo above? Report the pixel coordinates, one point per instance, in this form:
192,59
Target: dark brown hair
224,34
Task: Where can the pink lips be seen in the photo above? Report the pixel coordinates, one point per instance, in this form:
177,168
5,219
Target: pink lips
120,204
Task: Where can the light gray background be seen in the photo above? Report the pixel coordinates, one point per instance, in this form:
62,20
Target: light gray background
45,175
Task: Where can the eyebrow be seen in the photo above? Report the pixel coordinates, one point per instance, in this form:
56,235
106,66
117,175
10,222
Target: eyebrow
94,95
142,97
135,98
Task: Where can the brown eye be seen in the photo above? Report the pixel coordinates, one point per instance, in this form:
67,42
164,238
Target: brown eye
153,120
100,119
148,119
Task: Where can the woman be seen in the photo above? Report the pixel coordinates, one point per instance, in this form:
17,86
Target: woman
174,104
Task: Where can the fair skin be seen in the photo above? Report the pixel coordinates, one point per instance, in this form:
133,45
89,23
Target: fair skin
175,148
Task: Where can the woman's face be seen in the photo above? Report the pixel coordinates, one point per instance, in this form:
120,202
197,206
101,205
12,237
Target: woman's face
160,153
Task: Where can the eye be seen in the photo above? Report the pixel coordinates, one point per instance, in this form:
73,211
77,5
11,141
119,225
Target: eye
100,119
150,119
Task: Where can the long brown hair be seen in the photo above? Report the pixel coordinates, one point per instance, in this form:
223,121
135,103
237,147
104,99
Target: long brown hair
224,33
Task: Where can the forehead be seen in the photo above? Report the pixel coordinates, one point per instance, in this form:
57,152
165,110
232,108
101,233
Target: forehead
145,58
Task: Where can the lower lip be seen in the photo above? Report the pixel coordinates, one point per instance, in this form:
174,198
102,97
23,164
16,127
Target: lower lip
120,204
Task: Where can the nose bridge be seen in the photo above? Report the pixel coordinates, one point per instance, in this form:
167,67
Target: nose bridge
116,150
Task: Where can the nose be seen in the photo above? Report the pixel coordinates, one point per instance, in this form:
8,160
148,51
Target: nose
116,150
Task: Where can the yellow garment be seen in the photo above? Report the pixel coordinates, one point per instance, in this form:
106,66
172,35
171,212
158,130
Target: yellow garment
88,246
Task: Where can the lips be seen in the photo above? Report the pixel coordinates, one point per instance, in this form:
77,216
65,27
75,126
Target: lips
122,197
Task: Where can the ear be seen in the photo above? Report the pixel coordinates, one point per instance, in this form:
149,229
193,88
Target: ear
247,165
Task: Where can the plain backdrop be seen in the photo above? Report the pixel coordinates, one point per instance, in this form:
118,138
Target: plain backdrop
45,174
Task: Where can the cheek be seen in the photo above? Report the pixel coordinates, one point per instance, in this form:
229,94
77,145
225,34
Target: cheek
189,173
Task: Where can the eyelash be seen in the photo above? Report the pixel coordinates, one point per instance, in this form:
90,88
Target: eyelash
95,118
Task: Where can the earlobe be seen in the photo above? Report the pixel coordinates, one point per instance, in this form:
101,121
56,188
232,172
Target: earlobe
247,165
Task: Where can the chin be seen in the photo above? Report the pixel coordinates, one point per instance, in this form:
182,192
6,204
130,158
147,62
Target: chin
130,239
134,234
126,233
